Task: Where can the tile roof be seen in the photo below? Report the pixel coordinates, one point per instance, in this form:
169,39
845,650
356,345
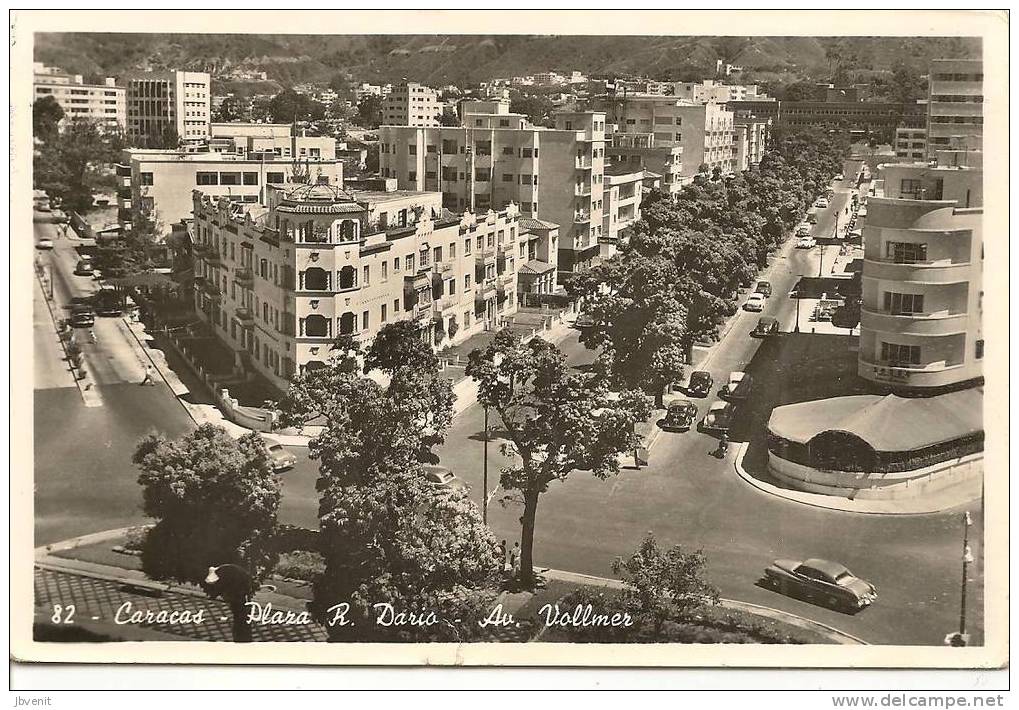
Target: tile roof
532,223
537,267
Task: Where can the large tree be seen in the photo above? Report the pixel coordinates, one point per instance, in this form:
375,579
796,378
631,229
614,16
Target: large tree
289,106
369,111
46,115
556,418
69,164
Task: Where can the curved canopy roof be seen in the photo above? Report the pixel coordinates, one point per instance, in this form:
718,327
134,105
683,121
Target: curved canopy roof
886,423
318,198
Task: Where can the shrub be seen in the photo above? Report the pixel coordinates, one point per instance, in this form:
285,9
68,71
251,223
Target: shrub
300,564
135,538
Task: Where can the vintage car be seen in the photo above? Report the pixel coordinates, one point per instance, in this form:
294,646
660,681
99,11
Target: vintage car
442,479
737,387
820,581
766,325
700,384
764,288
718,419
679,416
755,302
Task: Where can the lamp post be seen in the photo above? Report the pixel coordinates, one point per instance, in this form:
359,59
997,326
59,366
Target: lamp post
796,328
967,557
484,482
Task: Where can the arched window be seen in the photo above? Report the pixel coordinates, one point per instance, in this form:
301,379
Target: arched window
315,279
348,277
348,323
316,326
347,232
313,365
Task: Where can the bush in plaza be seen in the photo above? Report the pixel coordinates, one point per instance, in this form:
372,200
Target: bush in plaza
300,564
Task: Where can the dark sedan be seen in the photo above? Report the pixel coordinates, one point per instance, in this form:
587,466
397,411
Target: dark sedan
700,384
820,581
679,416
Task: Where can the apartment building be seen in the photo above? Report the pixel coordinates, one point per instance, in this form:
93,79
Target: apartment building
703,131
636,150
538,260
159,182
749,135
105,103
911,143
955,108
275,139
851,115
411,105
277,285
496,158
623,194
177,100
922,278
711,91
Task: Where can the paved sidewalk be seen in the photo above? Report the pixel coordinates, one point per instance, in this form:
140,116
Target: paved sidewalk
935,503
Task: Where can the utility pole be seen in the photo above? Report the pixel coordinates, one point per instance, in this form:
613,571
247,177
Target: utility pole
967,557
484,484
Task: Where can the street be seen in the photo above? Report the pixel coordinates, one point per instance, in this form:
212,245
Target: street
85,481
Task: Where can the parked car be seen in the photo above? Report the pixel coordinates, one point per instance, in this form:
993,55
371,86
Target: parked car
718,419
821,203
84,268
806,243
583,320
281,459
764,288
700,383
755,302
840,177
679,416
803,230
737,387
82,317
108,302
442,479
822,581
766,325
44,243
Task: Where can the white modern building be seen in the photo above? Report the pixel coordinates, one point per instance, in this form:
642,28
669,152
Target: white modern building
411,105
158,102
105,103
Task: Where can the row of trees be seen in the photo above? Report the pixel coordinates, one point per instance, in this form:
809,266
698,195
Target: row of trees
678,278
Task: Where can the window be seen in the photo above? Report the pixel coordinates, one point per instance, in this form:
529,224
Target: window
507,150
274,178
525,179
480,242
902,303
980,350
679,137
396,263
896,354
449,146
452,250
385,272
367,275
250,178
451,288
437,254
409,262
481,175
145,178
906,252
467,282
382,314
526,153
507,177
229,178
911,187
467,247
467,319
430,149
412,149
207,178
412,174
364,321
396,305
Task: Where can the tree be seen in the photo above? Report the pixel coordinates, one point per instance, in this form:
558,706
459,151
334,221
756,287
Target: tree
449,117
68,165
369,111
538,108
289,106
663,585
847,315
46,115
215,501
371,161
557,420
231,109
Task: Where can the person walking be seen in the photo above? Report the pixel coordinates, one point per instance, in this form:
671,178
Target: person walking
502,557
148,379
515,559
92,336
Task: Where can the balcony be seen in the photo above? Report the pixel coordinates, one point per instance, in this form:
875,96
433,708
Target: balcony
443,267
244,277
211,290
935,374
448,303
920,324
245,316
422,310
943,271
214,258
485,291
583,162
581,217
581,190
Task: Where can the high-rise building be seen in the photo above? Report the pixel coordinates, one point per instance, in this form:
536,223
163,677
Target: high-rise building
702,130
922,277
104,103
496,158
160,102
411,105
749,137
279,284
955,110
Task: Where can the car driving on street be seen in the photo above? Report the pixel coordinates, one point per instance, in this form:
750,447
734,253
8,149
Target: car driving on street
679,416
766,325
755,302
737,387
821,203
806,243
82,316
281,458
700,384
442,479
803,230
764,288
820,581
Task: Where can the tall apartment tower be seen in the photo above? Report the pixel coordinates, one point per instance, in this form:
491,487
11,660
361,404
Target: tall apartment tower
496,157
157,101
411,105
955,111
920,324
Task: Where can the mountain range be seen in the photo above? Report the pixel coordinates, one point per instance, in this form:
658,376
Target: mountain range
464,59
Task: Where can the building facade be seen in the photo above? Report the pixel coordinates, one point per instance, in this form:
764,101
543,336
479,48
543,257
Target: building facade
280,286
711,91
623,194
634,150
159,182
703,131
861,116
922,278
955,107
273,140
174,100
749,136
496,158
911,143
411,105
105,104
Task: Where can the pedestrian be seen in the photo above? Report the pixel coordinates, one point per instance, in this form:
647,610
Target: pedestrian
502,556
148,379
92,336
515,559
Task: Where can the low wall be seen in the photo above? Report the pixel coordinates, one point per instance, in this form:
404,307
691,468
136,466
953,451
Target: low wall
964,471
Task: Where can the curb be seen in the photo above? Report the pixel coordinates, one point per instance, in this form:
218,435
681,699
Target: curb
818,500
837,636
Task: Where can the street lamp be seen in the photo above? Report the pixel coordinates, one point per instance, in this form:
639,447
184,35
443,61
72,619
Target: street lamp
484,482
961,638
